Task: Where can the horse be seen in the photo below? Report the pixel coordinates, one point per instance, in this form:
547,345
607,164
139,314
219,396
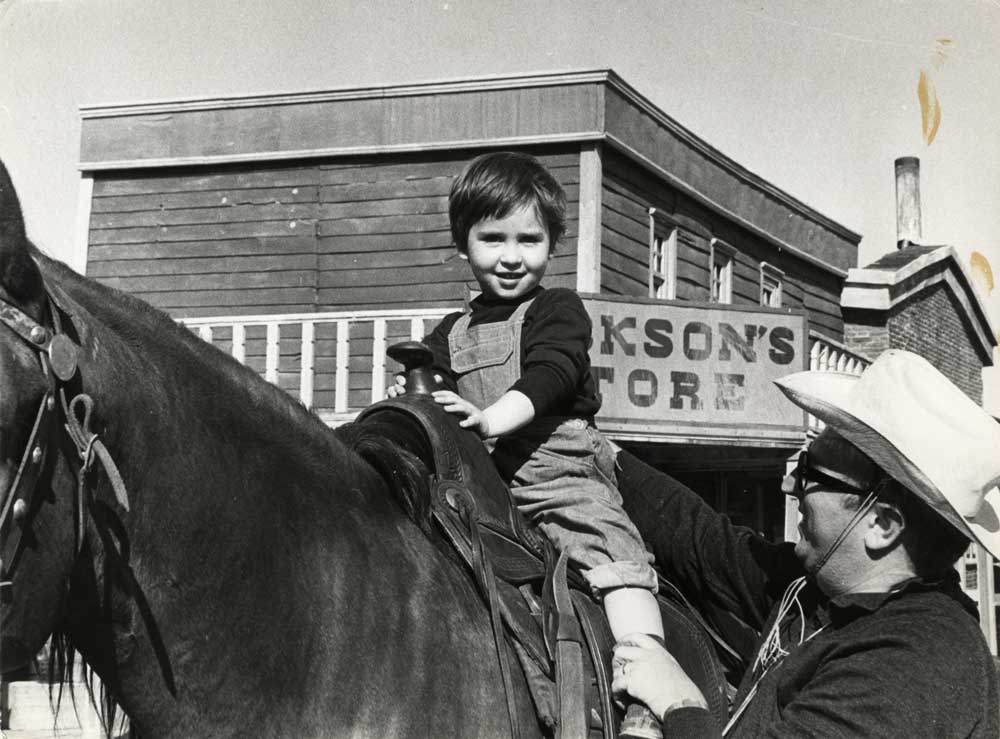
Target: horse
221,560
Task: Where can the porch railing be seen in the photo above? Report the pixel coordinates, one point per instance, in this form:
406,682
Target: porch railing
825,354
334,362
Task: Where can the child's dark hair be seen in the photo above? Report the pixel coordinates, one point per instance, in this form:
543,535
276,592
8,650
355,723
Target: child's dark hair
492,185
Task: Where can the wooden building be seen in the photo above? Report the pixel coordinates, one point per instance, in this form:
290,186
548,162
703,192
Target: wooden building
303,232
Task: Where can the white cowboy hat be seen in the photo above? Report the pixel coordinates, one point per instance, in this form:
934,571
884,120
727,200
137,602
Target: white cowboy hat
921,429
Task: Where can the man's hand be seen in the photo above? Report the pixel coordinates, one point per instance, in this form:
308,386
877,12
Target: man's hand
649,673
394,391
474,419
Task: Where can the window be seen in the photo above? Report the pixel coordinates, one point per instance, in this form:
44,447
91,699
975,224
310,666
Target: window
770,285
721,256
662,256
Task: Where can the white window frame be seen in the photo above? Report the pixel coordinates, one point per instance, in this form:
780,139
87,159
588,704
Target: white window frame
771,276
722,254
662,284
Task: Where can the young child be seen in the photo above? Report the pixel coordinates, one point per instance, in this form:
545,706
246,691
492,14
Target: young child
519,359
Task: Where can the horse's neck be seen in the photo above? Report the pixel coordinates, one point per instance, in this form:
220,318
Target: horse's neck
243,506
159,390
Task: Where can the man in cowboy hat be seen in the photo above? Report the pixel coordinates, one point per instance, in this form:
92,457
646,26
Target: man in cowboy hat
865,630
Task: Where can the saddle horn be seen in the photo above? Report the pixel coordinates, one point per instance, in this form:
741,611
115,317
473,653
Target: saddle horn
416,359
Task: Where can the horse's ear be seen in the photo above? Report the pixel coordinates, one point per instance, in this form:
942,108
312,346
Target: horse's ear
19,275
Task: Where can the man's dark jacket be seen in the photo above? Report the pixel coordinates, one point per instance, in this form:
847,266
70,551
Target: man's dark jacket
912,663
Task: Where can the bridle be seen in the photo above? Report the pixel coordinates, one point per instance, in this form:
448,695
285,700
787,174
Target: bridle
58,357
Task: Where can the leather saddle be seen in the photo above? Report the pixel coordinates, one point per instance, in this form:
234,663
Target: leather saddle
540,609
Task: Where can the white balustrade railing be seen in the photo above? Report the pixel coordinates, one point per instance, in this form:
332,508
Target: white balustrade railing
290,340
297,342
825,354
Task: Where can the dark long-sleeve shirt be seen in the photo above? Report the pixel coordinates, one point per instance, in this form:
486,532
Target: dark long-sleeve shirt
555,340
911,663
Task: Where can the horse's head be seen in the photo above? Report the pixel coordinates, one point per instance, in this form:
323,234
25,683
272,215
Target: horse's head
36,523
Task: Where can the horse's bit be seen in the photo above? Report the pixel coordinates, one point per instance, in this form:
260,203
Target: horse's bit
57,355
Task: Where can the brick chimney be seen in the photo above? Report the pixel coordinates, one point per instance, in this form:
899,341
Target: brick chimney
919,297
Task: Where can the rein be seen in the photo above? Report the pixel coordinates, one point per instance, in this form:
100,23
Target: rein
58,357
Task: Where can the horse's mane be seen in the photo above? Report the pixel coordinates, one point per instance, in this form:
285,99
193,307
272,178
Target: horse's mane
137,323
393,452
273,411
62,661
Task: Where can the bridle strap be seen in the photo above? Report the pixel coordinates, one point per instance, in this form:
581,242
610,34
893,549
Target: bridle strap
35,334
32,463
21,490
57,355
89,446
33,458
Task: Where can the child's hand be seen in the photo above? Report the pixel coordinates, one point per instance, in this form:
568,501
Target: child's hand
475,419
394,391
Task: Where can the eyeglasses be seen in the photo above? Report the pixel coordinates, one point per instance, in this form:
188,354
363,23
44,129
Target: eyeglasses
805,472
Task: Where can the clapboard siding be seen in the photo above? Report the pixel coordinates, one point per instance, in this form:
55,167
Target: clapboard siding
746,280
188,180
200,232
238,302
719,180
275,247
223,281
383,226
191,241
330,235
623,270
692,265
401,296
369,243
821,299
223,214
377,259
394,224
792,293
206,198
122,268
635,233
627,194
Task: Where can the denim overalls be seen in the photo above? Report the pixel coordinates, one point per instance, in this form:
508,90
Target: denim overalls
561,469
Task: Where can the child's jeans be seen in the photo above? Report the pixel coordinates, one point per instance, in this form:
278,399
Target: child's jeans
562,475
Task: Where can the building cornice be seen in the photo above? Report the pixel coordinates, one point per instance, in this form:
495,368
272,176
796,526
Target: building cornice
603,77
465,84
340,151
678,183
881,289
729,164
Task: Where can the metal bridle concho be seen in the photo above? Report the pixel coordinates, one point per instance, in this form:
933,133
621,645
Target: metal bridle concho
57,355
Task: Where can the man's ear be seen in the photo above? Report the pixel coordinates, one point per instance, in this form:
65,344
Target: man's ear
886,527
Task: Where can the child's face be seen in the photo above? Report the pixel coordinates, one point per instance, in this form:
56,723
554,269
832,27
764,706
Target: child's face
508,256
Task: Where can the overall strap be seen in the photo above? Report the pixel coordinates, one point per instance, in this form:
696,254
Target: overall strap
486,358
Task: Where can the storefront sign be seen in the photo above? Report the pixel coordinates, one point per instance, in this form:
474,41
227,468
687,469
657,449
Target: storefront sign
696,370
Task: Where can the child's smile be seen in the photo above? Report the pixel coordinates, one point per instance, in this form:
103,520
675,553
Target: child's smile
508,256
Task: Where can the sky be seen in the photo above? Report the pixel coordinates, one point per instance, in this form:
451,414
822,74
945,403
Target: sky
819,98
